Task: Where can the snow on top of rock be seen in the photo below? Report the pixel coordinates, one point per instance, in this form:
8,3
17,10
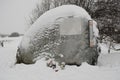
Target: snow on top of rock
60,12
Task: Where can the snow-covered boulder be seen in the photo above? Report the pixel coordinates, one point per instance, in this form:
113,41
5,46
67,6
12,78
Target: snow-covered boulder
62,32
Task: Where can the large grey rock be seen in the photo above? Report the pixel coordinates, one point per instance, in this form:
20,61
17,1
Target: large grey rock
60,31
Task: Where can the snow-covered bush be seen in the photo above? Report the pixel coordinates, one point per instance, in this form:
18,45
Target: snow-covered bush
14,34
62,32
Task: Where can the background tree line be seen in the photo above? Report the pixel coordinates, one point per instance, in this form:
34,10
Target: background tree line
105,12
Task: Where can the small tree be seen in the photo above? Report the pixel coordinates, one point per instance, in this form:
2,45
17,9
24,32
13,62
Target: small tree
14,34
41,7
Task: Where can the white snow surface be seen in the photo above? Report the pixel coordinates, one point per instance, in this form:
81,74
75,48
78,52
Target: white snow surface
108,67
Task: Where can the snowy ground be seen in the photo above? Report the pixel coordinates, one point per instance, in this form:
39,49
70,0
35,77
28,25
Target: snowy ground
108,67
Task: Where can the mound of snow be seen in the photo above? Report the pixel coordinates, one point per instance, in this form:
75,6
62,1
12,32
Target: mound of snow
57,13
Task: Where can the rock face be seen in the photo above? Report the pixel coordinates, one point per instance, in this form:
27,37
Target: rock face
60,31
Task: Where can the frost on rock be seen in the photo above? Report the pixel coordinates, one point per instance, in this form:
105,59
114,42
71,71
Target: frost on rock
62,32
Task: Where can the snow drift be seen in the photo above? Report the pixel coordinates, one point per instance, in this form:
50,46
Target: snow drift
62,32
